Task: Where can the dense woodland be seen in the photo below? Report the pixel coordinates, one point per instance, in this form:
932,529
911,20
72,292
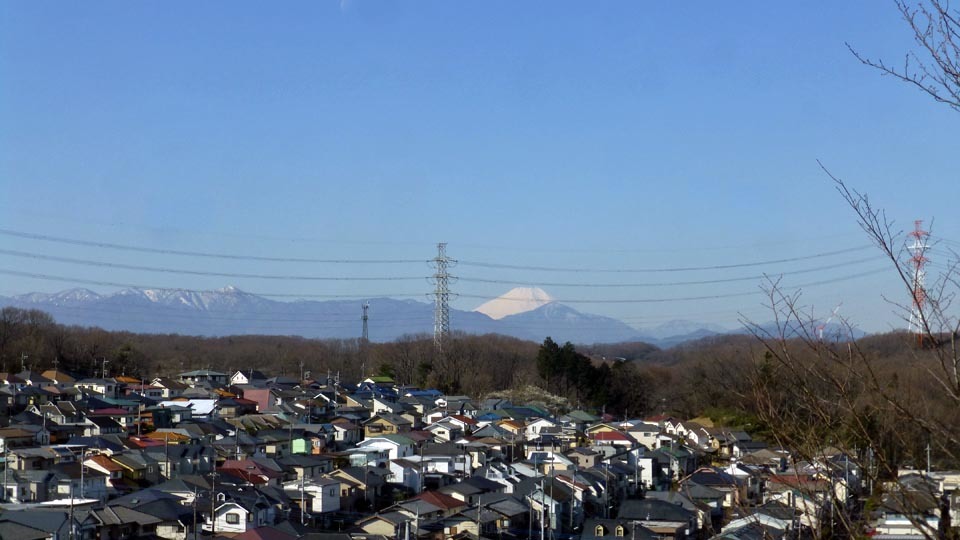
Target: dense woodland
739,380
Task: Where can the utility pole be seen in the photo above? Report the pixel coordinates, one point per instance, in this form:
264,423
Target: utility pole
194,513
83,455
140,408
213,501
72,502
302,501
6,465
365,335
441,296
23,361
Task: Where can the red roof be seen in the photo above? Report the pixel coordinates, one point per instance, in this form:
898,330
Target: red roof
611,436
250,467
142,442
464,419
440,500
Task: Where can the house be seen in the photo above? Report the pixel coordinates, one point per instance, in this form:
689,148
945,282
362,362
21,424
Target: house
612,438
170,388
138,468
733,492
234,514
202,376
533,429
360,487
407,473
37,524
267,399
71,480
117,521
178,459
107,466
249,376
390,524
615,529
32,378
249,472
323,493
444,431
642,432
667,520
101,387
584,457
346,433
235,407
12,438
396,446
386,424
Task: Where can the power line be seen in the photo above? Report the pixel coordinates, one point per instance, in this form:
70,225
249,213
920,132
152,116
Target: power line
667,269
685,249
104,264
667,284
49,277
693,298
140,249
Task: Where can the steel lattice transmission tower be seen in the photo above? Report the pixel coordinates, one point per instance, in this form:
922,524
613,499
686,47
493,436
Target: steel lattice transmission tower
918,258
441,295
365,336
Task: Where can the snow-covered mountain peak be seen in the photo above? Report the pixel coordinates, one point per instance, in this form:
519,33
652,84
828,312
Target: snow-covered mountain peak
517,300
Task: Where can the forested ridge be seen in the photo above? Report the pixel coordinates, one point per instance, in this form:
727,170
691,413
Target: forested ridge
732,379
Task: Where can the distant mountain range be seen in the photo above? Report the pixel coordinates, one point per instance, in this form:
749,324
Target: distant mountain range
523,313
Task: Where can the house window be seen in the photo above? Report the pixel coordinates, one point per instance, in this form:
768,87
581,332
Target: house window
599,531
233,518
619,531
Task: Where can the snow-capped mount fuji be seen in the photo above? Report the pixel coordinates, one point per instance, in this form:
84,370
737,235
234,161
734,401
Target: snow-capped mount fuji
517,300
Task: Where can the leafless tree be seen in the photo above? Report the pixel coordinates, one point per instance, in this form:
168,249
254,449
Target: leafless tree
935,66
823,398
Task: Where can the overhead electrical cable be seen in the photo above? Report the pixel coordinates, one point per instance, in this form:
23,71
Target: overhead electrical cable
123,266
106,264
563,301
693,298
665,284
140,249
664,269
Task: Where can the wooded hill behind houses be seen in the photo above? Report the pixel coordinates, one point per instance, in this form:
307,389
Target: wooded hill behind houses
728,378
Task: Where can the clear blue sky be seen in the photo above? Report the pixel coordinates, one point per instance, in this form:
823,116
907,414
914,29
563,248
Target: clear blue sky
614,135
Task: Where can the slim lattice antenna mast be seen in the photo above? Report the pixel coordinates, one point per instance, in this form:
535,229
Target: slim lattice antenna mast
441,295
366,334
918,258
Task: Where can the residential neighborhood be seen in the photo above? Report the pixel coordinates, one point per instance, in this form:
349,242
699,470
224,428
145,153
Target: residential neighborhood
205,454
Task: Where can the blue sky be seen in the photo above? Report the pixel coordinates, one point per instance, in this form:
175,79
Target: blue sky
597,135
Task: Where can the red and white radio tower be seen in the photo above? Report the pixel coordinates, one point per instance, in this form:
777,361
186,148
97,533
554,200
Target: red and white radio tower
918,252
